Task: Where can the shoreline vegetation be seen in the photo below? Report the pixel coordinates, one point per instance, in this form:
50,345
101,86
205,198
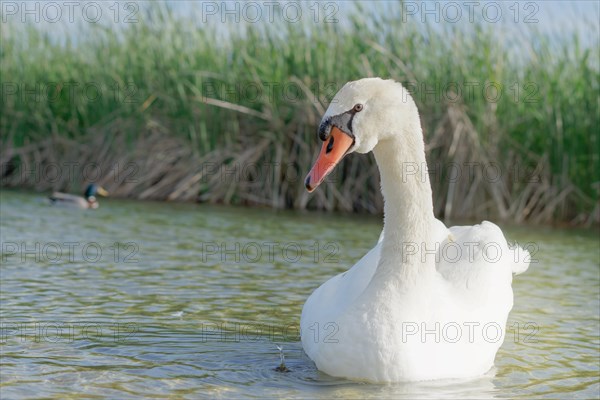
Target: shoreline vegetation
166,109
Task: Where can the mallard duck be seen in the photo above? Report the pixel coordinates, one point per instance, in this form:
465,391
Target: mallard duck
87,201
427,302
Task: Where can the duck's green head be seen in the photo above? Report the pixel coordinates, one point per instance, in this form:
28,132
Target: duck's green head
94,189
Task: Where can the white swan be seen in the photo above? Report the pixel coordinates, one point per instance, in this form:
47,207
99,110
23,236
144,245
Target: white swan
427,302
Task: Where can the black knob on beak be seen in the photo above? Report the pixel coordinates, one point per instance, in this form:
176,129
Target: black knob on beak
325,129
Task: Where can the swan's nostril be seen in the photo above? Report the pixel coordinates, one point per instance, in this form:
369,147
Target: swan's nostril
329,146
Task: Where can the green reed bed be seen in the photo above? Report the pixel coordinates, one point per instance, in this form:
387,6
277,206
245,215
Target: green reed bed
168,108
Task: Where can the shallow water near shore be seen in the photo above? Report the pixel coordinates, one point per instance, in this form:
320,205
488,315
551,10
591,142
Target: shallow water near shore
143,299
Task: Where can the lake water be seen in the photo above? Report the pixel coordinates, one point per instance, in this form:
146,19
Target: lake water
142,299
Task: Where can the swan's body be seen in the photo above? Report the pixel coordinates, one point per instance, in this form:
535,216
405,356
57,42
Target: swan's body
427,302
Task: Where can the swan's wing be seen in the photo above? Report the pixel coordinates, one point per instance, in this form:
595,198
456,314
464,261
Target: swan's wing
341,290
479,257
332,298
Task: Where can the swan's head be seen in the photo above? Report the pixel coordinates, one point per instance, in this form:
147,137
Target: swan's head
361,115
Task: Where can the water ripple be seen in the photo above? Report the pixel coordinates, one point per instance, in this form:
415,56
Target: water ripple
161,313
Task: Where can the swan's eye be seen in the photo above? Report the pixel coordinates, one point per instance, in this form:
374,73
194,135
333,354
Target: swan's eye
358,107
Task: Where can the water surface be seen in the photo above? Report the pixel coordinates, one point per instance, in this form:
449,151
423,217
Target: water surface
142,299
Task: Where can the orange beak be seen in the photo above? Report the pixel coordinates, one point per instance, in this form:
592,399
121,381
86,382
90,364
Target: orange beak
333,150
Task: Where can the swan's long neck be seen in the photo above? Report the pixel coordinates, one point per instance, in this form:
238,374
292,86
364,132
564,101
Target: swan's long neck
408,218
